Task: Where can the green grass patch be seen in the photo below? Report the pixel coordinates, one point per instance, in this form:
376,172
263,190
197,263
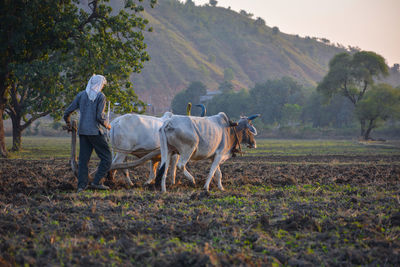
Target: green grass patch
273,147
42,147
60,147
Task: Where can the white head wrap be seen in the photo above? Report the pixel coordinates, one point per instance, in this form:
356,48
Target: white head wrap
95,85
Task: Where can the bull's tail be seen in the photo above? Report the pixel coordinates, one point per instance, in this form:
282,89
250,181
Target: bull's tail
164,154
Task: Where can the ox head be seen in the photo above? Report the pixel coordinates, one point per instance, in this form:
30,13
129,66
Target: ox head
247,130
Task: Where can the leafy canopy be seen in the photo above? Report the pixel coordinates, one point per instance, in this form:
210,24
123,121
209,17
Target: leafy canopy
269,98
351,75
191,94
56,46
379,104
50,49
234,104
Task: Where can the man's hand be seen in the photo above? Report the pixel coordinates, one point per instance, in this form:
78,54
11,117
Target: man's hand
68,126
108,126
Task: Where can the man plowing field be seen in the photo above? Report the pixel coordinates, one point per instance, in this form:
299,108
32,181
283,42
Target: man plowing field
91,104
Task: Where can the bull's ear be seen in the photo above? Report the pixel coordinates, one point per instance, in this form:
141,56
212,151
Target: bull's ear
252,117
252,129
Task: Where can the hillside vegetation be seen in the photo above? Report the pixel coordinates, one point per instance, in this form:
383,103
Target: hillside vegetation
204,43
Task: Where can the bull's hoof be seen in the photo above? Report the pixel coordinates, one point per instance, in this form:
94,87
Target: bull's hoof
163,188
110,176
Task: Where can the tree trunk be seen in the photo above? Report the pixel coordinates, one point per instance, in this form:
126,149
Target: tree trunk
17,130
369,129
362,133
3,148
3,101
17,140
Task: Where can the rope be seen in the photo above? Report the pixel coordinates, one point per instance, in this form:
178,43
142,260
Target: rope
237,141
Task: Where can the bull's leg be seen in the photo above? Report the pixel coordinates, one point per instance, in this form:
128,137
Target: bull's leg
163,186
119,158
214,166
219,178
174,162
188,175
183,160
152,168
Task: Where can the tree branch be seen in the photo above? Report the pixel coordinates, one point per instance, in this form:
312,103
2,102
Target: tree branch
92,16
9,110
33,118
14,99
363,91
347,93
24,95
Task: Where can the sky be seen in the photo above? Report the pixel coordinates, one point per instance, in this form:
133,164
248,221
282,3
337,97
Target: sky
372,25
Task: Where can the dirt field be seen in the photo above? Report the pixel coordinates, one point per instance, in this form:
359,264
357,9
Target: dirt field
291,210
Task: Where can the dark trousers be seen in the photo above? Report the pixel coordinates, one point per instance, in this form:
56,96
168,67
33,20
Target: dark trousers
87,143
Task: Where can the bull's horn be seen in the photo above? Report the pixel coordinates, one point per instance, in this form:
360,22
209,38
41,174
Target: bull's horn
188,108
252,117
203,110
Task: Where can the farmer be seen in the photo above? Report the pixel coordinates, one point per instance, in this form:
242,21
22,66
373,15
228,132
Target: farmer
91,104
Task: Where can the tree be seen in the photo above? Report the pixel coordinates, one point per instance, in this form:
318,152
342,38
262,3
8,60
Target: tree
337,113
291,114
244,13
259,21
234,104
213,3
268,99
225,87
52,49
191,94
395,68
275,30
379,104
352,76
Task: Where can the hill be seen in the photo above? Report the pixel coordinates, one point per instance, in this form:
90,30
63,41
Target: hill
205,43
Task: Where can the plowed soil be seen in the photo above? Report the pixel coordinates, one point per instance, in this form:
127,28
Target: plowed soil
297,211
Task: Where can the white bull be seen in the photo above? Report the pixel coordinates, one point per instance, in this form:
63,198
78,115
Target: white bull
196,138
138,135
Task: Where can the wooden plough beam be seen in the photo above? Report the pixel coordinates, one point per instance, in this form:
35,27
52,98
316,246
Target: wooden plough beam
137,162
117,166
73,160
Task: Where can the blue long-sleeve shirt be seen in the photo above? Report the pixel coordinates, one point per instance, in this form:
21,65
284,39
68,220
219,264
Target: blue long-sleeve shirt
91,113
